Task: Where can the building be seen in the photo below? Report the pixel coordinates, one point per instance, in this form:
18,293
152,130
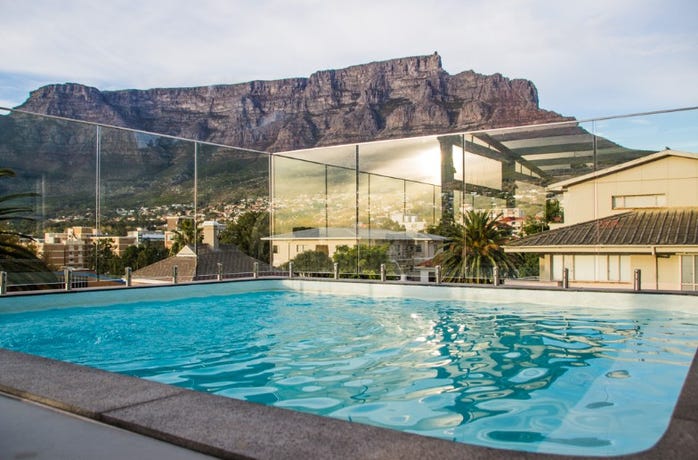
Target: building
74,247
205,261
405,248
639,215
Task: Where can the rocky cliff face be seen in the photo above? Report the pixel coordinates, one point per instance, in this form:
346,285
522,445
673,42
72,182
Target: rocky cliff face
381,100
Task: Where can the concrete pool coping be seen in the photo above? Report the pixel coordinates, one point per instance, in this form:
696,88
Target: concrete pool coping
230,428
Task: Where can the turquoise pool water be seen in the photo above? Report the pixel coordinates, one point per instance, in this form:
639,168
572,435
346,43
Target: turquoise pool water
561,380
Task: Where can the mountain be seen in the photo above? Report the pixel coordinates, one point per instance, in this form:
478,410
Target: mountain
403,97
396,98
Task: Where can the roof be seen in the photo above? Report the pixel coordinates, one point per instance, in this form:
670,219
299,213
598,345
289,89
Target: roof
344,233
646,228
559,186
206,264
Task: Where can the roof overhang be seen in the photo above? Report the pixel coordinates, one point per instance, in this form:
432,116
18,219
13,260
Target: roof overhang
619,249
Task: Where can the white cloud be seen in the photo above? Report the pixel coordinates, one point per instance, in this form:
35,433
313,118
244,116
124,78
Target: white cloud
586,58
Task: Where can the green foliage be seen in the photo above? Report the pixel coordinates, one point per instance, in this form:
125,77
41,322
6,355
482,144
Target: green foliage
553,211
311,262
103,259
475,248
247,232
528,265
143,255
361,259
533,225
188,233
18,260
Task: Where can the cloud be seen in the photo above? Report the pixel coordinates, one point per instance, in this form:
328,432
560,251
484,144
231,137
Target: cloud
586,58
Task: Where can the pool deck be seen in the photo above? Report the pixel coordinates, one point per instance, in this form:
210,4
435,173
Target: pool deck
223,427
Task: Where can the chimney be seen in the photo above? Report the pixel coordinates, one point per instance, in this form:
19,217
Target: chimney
211,229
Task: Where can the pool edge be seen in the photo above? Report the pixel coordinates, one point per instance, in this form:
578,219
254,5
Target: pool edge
183,417
229,428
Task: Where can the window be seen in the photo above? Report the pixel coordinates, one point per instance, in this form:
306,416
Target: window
323,248
638,201
587,267
689,273
275,249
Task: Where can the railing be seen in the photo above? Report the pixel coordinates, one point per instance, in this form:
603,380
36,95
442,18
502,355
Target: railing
369,194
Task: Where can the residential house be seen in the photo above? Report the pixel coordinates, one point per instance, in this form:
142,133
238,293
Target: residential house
639,215
406,248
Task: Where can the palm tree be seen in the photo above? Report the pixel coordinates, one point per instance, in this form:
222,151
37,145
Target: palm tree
475,248
24,268
188,233
9,211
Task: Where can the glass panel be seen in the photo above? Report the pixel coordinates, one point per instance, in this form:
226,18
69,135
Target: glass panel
416,159
299,195
386,203
233,211
341,198
55,161
420,206
146,193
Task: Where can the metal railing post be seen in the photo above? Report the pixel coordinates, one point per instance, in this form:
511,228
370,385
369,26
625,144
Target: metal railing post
565,278
290,269
382,273
495,276
174,275
3,283
637,280
438,274
67,279
219,269
255,270
128,276
336,270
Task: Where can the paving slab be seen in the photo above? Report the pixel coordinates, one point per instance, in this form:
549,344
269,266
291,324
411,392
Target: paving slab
30,431
77,389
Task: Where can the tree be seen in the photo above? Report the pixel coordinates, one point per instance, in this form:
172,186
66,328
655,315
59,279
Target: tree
534,225
475,248
247,232
553,211
19,261
311,262
188,233
103,260
361,259
11,211
143,255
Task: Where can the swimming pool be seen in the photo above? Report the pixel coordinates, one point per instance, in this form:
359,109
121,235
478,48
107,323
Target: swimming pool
502,374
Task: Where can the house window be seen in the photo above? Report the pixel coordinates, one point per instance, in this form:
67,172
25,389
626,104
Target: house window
275,249
638,201
323,248
689,273
300,248
598,267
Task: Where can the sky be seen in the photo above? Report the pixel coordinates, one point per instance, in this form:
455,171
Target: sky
588,59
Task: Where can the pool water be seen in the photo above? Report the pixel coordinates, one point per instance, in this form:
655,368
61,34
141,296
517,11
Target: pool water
527,377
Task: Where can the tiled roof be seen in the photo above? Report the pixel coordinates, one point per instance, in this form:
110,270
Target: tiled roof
668,227
233,260
188,268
